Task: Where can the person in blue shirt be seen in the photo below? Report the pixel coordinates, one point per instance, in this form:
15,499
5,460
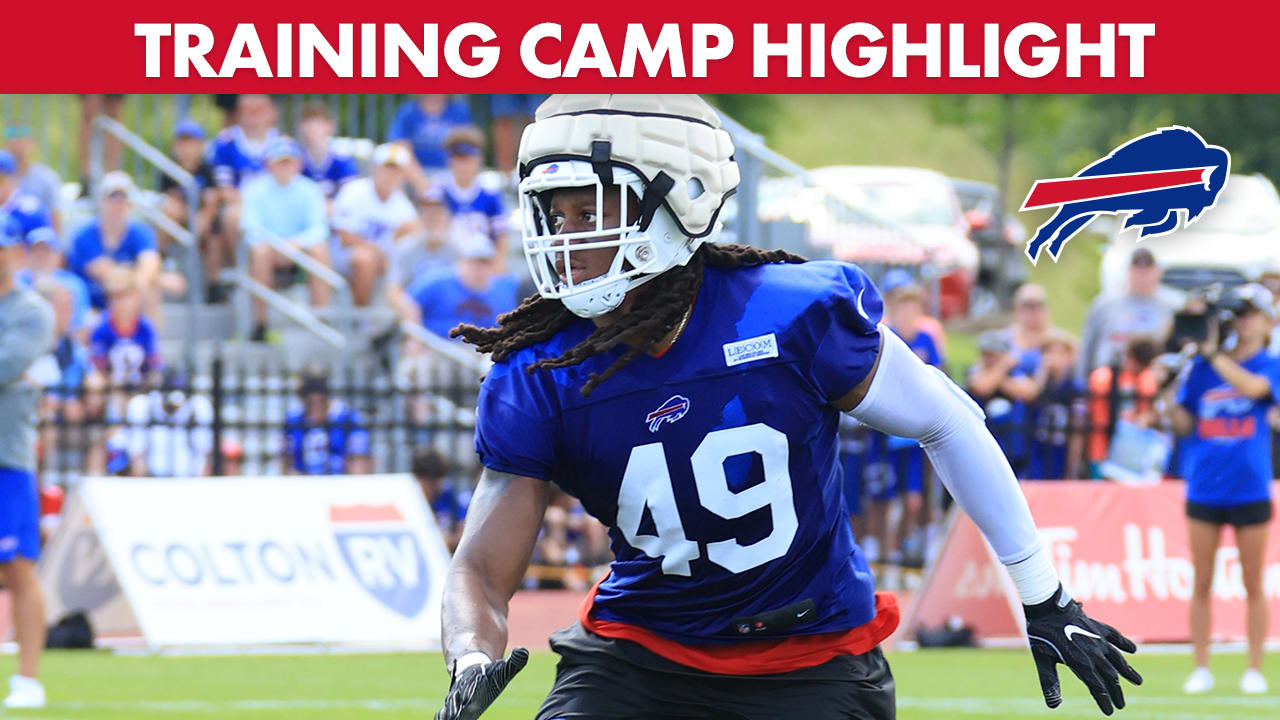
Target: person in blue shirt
1221,409
895,465
471,291
687,392
238,153
320,161
447,502
324,436
473,198
282,206
421,124
46,257
1057,441
124,347
114,240
26,210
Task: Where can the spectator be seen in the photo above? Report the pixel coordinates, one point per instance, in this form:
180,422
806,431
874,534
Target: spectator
35,178
421,125
26,210
369,215
324,436
927,323
510,114
320,162
61,373
1058,409
169,431
284,207
1221,408
114,241
419,254
188,152
46,259
123,347
1114,321
988,383
898,463
232,457
472,291
447,503
239,153
472,199
1126,392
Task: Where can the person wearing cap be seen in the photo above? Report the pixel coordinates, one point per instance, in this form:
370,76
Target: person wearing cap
282,206
987,381
472,291
473,198
188,151
1058,410
419,253
113,240
897,463
26,333
46,259
34,178
169,430
1220,409
27,210
369,215
1114,320
323,436
421,125
320,161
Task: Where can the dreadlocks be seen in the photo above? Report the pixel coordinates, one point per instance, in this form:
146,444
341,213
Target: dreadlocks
659,306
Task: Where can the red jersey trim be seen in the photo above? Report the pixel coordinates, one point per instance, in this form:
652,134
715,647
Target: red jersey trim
754,657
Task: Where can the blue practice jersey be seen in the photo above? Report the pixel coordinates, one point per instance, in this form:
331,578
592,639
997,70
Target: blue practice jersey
25,211
87,246
324,449
445,301
715,464
126,355
1227,459
330,172
479,207
235,158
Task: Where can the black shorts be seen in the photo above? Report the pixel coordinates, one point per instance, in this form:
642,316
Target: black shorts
1254,513
607,679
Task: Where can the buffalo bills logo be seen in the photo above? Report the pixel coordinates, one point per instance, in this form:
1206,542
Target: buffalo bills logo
670,411
1152,179
383,554
548,169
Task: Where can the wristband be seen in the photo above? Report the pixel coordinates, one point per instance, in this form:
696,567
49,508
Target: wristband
1035,577
475,657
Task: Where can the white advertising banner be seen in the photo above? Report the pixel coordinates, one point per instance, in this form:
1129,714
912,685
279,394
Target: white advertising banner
248,561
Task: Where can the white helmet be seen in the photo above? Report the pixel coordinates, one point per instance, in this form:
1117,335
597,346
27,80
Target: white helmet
669,150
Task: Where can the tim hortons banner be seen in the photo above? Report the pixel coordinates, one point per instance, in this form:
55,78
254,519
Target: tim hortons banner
253,561
1122,550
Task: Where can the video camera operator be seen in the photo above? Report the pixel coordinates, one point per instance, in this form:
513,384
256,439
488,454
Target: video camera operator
1221,407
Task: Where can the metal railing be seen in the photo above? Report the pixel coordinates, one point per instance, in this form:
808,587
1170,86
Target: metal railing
454,352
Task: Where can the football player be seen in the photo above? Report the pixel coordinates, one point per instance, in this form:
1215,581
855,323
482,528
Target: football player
688,393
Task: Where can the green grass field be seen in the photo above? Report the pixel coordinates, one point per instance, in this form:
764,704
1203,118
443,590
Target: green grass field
931,685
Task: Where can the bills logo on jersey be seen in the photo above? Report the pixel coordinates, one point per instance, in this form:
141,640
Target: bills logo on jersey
670,411
383,555
1152,179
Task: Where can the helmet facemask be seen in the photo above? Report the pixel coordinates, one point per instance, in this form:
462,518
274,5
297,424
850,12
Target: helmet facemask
646,239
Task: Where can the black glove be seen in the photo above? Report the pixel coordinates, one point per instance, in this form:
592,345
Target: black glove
475,688
1060,632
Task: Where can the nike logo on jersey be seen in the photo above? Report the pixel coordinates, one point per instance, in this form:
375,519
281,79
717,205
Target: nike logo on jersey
1077,630
756,348
802,613
858,305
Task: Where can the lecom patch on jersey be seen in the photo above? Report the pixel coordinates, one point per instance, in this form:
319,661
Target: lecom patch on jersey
756,348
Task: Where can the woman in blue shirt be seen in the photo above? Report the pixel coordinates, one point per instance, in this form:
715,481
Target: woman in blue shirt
1226,458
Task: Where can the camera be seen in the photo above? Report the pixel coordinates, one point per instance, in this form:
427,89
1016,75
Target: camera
1191,324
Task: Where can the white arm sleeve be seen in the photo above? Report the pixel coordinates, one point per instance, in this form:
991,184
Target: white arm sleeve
910,399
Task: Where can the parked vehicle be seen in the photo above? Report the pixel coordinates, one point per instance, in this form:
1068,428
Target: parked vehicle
1002,267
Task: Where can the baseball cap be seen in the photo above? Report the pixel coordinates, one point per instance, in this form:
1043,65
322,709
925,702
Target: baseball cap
116,181
470,243
1258,297
465,140
1142,257
188,129
283,147
45,236
895,278
8,163
391,154
994,341
13,132
314,379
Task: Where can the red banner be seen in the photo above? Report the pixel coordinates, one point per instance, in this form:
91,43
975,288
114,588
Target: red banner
712,46
1121,550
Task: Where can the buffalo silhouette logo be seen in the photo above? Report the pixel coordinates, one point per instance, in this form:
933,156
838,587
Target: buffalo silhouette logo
1152,179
